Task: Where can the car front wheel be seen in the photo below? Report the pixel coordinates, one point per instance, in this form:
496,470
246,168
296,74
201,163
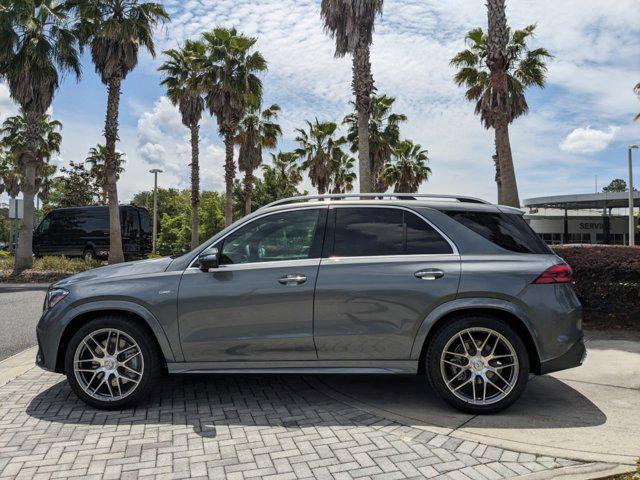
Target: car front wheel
111,363
478,364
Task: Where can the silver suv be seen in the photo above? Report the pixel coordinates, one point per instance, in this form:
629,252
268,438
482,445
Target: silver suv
454,288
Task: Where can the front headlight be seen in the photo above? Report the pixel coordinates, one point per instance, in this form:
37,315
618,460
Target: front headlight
54,297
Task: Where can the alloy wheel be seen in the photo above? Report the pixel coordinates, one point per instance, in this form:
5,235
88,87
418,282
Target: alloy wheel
479,366
108,364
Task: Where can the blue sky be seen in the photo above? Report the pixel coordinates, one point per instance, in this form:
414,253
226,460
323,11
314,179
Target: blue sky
578,127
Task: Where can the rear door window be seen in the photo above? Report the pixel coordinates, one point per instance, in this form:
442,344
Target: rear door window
507,230
361,232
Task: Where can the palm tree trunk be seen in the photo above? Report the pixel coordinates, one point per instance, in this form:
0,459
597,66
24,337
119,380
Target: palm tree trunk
507,171
195,186
362,87
248,188
497,178
229,175
24,252
116,254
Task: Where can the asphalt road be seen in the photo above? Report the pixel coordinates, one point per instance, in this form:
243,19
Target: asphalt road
20,309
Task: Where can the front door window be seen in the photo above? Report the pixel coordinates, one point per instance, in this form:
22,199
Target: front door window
276,237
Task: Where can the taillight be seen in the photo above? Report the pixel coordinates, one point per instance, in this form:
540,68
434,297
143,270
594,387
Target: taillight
557,274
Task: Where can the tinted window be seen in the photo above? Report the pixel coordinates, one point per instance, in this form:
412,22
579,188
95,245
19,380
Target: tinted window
509,231
422,237
93,222
384,231
280,236
44,225
145,221
130,223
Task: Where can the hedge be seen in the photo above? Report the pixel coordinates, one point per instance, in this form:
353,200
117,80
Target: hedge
607,281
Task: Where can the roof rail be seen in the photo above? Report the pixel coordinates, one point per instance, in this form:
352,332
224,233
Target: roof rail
361,196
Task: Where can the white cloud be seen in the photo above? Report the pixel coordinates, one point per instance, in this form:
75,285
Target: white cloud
588,140
165,142
7,106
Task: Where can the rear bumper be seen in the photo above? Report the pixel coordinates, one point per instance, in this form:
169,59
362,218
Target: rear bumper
574,357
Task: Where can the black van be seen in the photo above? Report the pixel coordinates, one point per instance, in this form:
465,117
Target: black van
84,232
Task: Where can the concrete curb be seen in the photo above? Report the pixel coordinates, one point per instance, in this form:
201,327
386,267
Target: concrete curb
621,461
588,471
17,364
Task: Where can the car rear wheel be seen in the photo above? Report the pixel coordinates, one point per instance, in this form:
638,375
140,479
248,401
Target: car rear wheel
89,254
478,364
111,363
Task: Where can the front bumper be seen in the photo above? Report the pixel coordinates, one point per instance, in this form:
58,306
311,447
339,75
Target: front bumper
574,357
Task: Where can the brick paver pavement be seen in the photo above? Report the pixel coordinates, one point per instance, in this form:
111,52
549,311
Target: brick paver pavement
233,427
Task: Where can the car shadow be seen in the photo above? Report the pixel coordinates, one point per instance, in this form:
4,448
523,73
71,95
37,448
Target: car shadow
546,403
208,402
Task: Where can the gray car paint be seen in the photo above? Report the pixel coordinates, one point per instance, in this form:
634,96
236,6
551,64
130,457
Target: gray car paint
489,277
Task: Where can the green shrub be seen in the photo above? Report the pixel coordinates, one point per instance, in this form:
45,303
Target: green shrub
57,264
607,281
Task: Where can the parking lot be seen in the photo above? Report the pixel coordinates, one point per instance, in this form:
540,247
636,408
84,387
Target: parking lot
582,422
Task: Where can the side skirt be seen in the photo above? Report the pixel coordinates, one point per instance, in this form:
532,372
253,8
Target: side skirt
299,367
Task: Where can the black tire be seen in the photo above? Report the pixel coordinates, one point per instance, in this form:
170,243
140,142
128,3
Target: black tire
151,354
89,254
450,330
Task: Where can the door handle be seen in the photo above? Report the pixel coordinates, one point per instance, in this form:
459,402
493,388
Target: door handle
295,279
429,274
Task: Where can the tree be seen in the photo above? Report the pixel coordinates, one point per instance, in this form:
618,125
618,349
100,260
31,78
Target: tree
75,187
38,46
319,146
343,175
97,158
384,135
408,170
228,76
45,183
257,130
180,78
616,185
284,175
636,89
115,30
496,69
351,23
9,176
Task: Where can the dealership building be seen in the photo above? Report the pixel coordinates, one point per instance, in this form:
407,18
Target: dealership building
597,218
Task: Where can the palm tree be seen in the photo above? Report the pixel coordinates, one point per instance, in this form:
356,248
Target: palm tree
228,76
257,130
38,47
636,89
343,175
351,22
180,75
285,165
384,135
15,130
9,177
496,69
97,158
319,146
115,30
409,169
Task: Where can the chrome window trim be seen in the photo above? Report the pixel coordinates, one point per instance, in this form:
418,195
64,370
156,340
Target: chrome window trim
454,248
266,214
301,262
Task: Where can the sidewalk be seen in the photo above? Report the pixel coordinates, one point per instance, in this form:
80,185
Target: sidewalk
236,427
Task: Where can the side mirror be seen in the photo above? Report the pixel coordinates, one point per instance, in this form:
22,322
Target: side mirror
210,258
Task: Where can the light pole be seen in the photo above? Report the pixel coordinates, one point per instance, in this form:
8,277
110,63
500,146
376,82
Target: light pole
155,172
632,224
